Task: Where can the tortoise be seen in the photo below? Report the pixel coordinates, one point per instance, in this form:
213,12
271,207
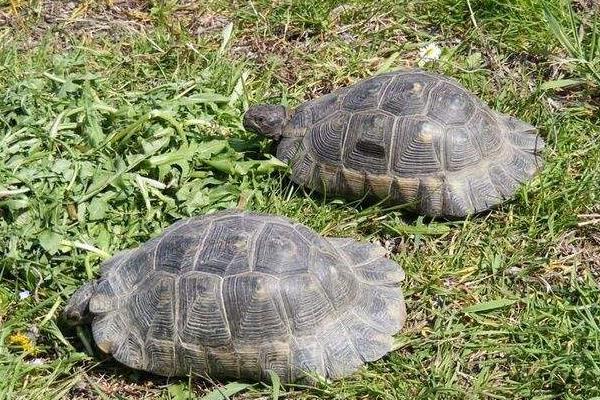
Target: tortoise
409,137
235,295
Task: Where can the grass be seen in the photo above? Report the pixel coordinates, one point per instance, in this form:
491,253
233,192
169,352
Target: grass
107,138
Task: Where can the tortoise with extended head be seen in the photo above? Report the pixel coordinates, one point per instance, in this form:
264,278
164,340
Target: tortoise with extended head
234,295
406,136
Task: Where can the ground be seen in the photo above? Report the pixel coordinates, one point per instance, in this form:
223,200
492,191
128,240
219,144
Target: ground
119,117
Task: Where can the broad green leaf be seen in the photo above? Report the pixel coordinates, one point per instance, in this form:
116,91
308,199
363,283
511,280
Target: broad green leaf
155,145
271,164
231,167
474,60
223,392
67,88
433,229
61,165
275,384
226,34
171,118
207,149
180,392
50,241
226,166
204,98
559,32
561,83
97,209
238,90
98,186
16,204
185,152
92,118
489,305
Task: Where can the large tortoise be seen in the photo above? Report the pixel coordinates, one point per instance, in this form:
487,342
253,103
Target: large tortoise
236,295
405,136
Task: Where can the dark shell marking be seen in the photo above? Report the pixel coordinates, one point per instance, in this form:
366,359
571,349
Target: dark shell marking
234,295
411,137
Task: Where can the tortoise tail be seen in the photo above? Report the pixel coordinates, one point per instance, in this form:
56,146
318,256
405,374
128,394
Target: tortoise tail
77,311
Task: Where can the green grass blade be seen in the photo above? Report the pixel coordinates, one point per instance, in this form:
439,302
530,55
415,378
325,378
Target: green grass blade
226,37
275,385
223,392
561,83
489,305
560,33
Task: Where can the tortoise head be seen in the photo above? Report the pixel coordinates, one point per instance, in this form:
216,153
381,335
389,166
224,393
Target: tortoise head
266,119
76,311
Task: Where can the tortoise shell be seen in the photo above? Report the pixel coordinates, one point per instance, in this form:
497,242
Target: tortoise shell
410,137
236,295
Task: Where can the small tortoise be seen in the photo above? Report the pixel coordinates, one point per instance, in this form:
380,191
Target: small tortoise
235,295
407,137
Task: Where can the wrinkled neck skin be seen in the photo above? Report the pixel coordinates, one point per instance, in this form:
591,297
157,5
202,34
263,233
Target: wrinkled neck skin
288,116
76,311
295,130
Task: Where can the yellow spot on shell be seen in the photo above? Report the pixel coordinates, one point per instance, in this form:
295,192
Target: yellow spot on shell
262,289
241,244
432,184
428,132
